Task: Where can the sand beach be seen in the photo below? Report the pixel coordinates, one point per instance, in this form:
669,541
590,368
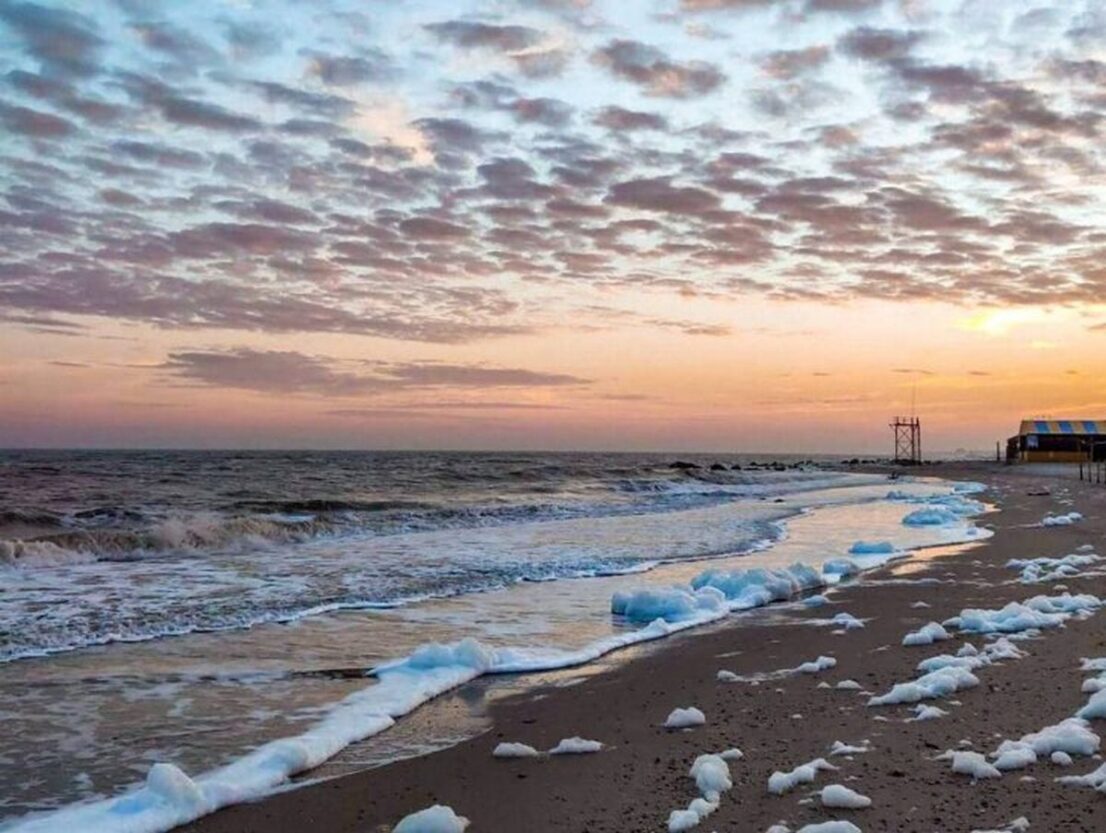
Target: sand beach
781,720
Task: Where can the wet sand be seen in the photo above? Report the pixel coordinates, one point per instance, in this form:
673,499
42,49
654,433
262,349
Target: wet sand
641,775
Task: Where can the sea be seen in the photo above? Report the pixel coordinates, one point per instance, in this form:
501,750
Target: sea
233,613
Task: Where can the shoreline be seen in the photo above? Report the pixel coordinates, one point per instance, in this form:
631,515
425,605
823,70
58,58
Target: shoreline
774,516
306,757
680,671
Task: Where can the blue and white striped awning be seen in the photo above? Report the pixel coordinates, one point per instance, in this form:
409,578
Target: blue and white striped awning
1076,427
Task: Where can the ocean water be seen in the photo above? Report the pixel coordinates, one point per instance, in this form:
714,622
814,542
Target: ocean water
191,607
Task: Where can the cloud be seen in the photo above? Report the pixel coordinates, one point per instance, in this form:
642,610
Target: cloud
35,123
65,42
230,169
472,35
656,73
430,228
843,6
183,47
550,112
810,6
541,63
718,5
441,374
428,409
345,70
533,52
251,39
791,63
267,372
795,99
620,119
879,45
659,194
183,109
291,372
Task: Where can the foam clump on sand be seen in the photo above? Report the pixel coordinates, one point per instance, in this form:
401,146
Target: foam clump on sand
759,586
713,593
815,601
923,712
436,819
1093,685
817,665
1095,708
685,718
1062,520
814,666
1037,613
840,796
927,635
847,621
849,685
830,827
840,567
576,746
1095,779
1018,825
939,683
1072,737
1035,570
712,778
514,750
973,764
669,603
931,516
840,748
682,820
872,548
972,658
945,674
782,782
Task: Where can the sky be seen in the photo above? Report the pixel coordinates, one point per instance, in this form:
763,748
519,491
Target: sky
756,225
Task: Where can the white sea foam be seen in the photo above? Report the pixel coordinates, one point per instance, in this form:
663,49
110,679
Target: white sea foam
782,782
576,746
436,819
170,797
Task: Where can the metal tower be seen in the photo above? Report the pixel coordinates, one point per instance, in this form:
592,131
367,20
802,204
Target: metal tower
908,440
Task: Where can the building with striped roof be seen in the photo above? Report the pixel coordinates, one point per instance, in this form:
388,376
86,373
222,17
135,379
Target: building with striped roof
1058,441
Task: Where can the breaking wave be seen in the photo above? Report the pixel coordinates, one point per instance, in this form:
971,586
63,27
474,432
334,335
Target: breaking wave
31,536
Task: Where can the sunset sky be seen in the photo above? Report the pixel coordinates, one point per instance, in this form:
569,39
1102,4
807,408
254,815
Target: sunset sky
710,224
